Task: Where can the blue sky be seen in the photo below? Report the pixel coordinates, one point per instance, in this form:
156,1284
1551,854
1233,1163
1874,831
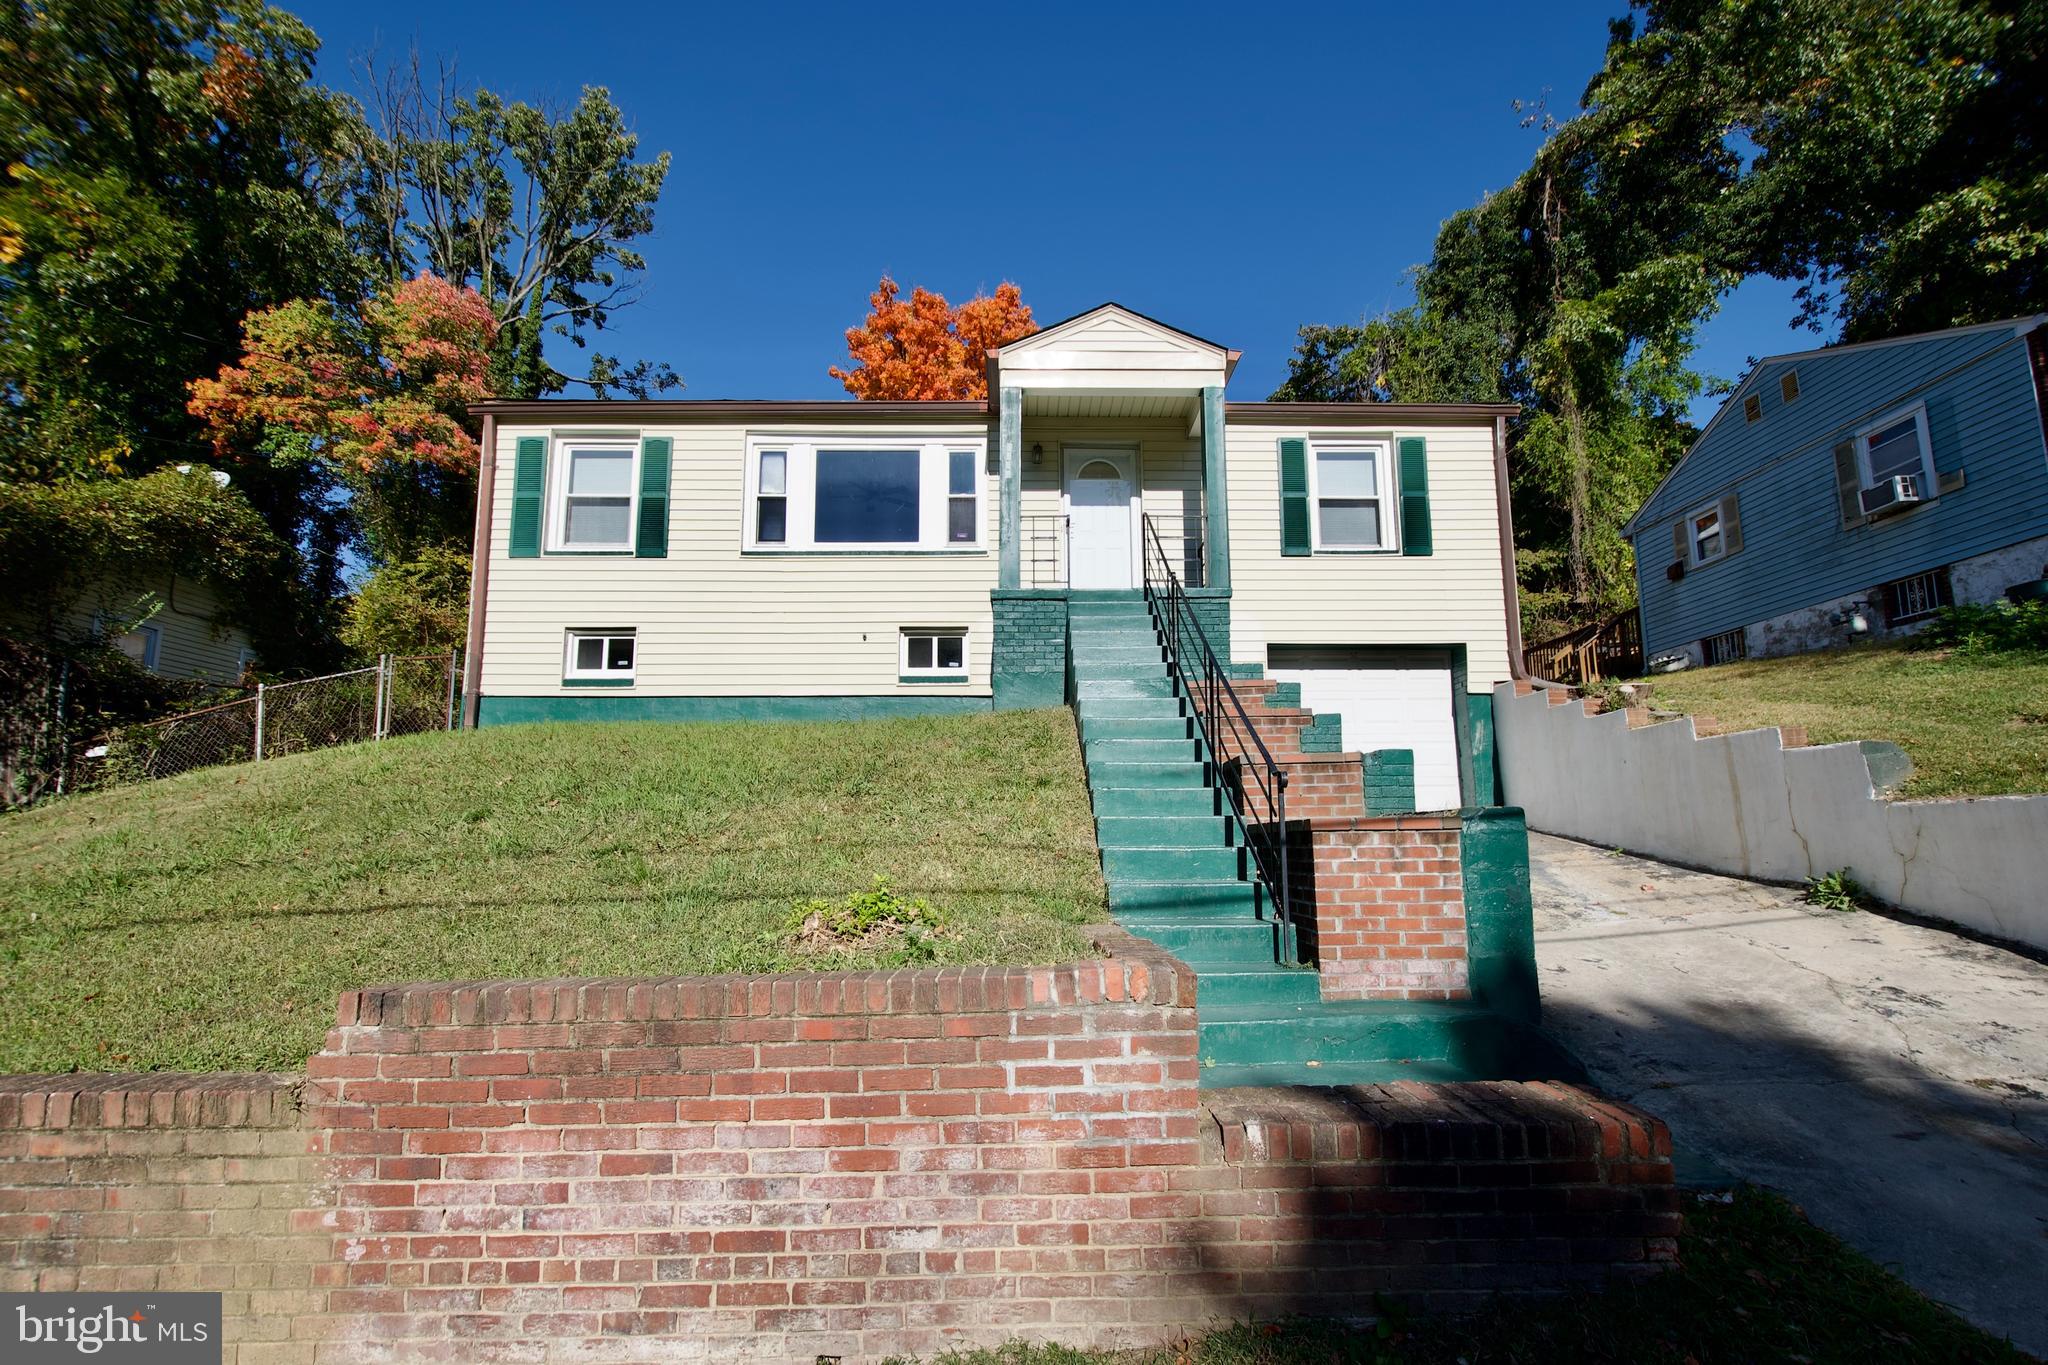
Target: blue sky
1204,163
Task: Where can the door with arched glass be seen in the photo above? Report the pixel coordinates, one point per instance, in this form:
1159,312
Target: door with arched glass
1102,540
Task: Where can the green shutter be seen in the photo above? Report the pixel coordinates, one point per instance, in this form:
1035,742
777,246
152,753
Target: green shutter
1294,497
652,542
529,473
1415,538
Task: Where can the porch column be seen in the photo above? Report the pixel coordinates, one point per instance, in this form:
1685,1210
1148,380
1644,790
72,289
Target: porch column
1215,493
1009,463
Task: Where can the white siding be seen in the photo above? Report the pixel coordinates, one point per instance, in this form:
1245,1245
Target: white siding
712,621
1454,596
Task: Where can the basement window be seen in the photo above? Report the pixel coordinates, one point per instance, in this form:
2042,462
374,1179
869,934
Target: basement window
1917,596
599,658
1725,648
931,654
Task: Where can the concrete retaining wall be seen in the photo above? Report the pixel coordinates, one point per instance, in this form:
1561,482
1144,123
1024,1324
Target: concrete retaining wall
1746,805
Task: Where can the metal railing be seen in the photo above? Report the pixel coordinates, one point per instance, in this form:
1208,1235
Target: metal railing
1224,726
1042,550
401,694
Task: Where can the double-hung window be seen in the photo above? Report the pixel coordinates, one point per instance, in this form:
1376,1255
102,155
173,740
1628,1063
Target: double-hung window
864,493
599,656
1350,489
1897,445
595,484
1706,535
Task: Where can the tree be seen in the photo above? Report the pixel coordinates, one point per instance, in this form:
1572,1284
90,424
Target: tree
923,348
410,606
376,398
535,209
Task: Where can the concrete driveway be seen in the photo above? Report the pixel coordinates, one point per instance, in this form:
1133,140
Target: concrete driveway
1891,1079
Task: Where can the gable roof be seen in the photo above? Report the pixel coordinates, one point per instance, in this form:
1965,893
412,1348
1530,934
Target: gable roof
1106,321
1733,402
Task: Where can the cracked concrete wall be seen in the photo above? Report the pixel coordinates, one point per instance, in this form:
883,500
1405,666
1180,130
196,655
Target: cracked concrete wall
1744,804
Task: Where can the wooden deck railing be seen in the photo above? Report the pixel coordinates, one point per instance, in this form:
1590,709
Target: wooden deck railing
1606,649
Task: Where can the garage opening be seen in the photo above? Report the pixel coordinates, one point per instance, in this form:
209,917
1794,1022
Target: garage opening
1389,699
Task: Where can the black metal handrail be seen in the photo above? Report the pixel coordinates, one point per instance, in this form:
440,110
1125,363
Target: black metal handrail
1206,683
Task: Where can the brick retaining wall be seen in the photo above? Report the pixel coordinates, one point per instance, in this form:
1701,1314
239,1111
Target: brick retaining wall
1381,906
779,1168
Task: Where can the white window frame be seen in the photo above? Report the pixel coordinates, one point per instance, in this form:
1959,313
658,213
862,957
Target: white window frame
800,479
906,634
1692,534
576,634
1389,497
558,490
1918,412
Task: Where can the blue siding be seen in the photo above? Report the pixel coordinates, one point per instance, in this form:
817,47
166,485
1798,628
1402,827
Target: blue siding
1982,419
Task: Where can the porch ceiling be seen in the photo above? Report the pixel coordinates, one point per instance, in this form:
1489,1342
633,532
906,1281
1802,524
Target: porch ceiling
1094,403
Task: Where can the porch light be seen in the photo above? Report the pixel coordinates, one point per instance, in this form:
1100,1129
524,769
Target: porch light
1037,452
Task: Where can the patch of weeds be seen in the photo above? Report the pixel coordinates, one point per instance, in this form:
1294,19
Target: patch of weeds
1973,630
874,925
1835,891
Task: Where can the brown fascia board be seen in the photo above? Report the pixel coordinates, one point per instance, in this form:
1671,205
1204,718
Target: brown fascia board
629,410
1308,414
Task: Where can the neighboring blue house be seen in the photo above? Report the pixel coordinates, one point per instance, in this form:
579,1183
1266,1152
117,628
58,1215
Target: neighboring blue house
1849,492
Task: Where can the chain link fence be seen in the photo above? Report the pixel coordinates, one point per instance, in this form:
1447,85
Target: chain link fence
402,694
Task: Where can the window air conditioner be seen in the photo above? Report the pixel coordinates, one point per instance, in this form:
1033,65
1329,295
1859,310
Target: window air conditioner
1898,492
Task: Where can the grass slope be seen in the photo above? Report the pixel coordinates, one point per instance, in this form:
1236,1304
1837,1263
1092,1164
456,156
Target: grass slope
1757,1283
208,921
1973,727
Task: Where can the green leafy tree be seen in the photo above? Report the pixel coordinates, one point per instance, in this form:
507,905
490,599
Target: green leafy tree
535,209
413,606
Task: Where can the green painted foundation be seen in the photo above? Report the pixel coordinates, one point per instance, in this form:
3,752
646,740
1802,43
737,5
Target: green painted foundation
1324,734
1028,659
611,706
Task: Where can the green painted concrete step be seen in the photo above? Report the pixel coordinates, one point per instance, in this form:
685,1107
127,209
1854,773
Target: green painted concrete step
1243,943
1104,728
1465,1035
1332,1074
1262,984
1146,774
1141,750
1147,900
1178,899
1213,864
1122,688
1131,668
1161,831
1132,801
1129,708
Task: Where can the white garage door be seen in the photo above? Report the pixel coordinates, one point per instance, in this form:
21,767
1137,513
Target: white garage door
1388,701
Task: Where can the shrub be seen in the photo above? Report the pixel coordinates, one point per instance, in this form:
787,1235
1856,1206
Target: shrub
1989,628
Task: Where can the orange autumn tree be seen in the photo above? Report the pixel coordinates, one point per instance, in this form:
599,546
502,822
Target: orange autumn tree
924,348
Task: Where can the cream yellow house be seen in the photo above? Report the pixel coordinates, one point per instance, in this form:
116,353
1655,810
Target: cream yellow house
724,559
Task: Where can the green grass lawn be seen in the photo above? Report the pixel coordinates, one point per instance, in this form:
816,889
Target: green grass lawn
1758,1283
1973,727
208,921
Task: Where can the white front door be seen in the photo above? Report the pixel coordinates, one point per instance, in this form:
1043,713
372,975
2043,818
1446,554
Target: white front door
1101,516
1388,701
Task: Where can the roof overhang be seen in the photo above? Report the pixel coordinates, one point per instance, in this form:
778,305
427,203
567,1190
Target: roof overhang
726,410
1368,414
